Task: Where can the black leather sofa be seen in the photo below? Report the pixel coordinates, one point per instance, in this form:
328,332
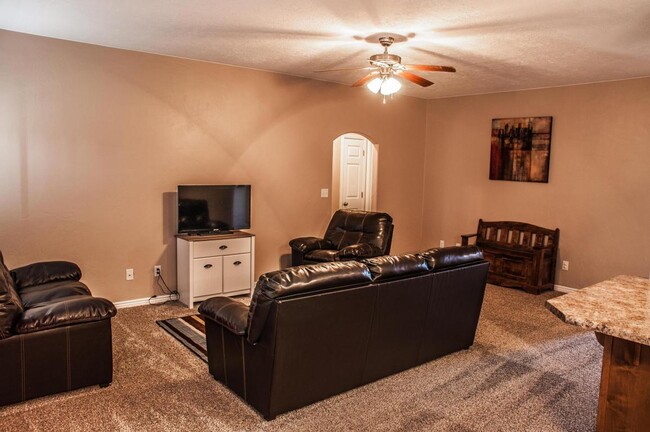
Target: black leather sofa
317,330
350,235
54,336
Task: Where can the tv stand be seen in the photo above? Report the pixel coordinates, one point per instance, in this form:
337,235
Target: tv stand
211,265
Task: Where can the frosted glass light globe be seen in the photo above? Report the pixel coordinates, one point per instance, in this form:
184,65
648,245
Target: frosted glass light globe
374,85
390,86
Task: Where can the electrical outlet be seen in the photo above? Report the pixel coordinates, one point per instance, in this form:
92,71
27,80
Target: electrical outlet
157,270
324,193
457,244
129,274
565,265
442,243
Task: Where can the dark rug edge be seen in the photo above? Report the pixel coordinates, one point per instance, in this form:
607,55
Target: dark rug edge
182,338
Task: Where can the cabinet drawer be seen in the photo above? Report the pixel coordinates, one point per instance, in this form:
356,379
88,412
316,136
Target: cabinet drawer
207,275
221,247
237,272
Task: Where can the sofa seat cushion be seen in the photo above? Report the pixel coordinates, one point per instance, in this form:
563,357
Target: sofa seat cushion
322,255
389,266
36,295
359,251
68,311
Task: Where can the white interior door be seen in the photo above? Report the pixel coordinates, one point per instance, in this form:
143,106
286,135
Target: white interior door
354,152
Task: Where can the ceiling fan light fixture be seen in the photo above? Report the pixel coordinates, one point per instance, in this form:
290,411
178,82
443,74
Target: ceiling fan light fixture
375,85
390,86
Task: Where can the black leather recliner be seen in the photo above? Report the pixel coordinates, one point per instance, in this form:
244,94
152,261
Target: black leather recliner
351,235
54,336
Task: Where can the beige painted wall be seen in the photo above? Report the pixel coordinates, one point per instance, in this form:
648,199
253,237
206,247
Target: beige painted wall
599,185
94,141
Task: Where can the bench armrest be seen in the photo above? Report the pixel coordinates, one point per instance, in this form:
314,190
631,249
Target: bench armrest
231,314
43,272
76,310
360,250
308,244
465,238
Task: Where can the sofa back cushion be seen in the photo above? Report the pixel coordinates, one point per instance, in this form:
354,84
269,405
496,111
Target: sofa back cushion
45,272
349,227
390,266
10,305
300,280
440,258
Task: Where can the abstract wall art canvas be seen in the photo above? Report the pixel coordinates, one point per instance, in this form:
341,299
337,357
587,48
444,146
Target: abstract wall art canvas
521,149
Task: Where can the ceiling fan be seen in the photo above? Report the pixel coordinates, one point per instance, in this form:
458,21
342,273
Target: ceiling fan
385,67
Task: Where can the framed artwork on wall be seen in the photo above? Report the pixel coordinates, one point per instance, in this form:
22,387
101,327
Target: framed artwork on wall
520,149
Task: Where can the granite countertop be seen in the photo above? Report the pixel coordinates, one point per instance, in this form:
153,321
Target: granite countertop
618,307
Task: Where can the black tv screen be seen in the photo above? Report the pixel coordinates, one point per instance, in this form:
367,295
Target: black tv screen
204,209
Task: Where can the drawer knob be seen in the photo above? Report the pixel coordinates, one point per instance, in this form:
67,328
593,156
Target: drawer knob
237,263
223,247
207,266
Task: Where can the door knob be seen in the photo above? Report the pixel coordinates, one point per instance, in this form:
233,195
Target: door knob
345,204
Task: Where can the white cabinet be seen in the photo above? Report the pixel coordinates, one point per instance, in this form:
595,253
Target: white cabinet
209,266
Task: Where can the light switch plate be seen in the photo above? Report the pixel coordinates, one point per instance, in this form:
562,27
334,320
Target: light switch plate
324,193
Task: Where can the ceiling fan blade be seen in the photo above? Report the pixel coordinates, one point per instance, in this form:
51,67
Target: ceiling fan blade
345,69
365,79
430,68
414,78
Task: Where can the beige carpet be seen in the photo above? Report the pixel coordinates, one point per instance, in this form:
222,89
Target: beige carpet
527,371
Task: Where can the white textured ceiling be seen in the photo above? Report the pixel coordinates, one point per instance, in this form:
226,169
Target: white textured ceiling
496,46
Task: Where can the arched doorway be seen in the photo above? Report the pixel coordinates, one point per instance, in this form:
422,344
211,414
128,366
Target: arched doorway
354,172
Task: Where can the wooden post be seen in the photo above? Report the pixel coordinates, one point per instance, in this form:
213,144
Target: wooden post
624,399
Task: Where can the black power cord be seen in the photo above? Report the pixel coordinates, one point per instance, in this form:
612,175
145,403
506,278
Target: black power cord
173,294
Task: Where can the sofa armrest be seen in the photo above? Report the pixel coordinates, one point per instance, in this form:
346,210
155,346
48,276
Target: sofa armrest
308,244
75,310
360,250
44,272
231,314
465,238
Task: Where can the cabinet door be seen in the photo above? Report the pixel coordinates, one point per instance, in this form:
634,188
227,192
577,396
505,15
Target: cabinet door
236,272
207,277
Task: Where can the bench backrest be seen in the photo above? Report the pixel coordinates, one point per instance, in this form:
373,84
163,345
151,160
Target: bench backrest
516,234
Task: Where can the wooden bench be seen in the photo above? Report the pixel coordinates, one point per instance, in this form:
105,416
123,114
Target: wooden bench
521,255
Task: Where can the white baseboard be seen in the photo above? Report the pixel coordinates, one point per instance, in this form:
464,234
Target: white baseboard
564,289
144,301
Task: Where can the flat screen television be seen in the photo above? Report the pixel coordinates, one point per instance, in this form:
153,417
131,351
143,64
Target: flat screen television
213,208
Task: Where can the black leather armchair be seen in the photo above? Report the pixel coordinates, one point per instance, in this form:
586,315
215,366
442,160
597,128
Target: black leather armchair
54,335
351,235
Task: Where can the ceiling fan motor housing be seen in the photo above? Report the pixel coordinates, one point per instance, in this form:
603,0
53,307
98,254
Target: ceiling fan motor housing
387,58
